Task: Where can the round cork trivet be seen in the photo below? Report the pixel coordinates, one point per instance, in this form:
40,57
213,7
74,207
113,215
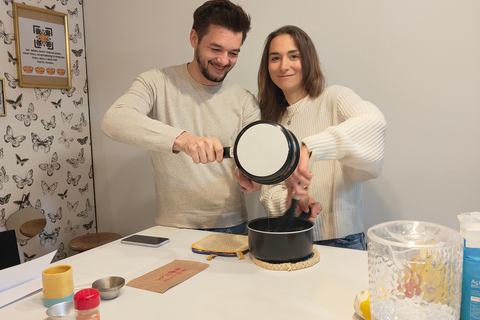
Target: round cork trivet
289,266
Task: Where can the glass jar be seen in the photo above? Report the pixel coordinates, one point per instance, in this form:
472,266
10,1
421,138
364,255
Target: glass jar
87,304
415,271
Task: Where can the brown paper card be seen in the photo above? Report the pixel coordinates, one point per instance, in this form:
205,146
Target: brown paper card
171,274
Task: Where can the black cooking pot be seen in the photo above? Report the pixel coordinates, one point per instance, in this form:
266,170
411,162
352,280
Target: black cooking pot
295,243
265,152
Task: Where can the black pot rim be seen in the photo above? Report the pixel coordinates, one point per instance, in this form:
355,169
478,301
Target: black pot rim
277,232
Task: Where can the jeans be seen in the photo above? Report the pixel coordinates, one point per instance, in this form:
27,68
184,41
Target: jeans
238,229
353,241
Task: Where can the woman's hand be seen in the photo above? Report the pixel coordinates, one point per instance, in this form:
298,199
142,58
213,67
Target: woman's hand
306,204
300,179
247,185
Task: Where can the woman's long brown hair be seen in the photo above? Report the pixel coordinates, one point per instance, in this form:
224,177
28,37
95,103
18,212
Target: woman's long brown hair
270,97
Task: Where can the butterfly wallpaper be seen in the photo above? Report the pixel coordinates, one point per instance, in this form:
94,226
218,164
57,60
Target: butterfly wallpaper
45,142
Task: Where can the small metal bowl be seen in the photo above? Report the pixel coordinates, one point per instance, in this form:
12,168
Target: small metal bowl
62,311
109,287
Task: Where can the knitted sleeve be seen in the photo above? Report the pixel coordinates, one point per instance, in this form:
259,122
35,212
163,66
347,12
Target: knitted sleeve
274,199
127,120
357,141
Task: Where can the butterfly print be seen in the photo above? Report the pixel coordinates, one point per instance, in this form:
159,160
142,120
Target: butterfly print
73,13
78,103
49,189
85,87
9,138
57,104
26,257
83,140
72,180
8,1
42,144
66,118
80,2
49,125
21,161
50,167
50,8
38,206
42,94
28,117
63,195
64,140
21,183
11,58
72,208
7,37
64,2
83,123
2,218
16,103
83,214
75,70
68,92
12,81
3,177
49,237
88,208
89,225
4,200
10,13
75,162
71,229
61,254
90,173
24,202
77,35
56,216
77,53
83,190
1,153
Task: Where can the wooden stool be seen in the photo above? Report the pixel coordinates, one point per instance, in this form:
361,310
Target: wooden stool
92,240
33,227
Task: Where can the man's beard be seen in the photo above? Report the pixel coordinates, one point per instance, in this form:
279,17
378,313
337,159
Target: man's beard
206,74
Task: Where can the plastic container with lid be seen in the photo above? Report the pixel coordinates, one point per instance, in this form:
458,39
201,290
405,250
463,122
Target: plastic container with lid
415,271
87,304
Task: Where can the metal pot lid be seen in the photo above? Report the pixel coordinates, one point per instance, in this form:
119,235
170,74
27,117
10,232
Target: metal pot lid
266,152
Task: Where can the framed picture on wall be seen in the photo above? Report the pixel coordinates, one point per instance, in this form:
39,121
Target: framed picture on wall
42,47
3,103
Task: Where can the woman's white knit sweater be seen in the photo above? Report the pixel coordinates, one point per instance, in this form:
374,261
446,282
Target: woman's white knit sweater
347,134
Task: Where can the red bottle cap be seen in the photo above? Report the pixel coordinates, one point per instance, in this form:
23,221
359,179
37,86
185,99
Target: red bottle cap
86,299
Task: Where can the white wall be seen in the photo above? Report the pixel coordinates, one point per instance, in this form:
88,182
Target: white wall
416,60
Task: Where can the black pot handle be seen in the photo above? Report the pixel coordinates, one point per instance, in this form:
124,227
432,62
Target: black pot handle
227,152
304,215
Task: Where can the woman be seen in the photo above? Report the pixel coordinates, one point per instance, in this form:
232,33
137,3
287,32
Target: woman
346,133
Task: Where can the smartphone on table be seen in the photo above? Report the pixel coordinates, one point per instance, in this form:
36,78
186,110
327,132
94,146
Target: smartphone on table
148,241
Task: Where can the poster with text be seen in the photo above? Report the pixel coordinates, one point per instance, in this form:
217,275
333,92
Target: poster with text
42,48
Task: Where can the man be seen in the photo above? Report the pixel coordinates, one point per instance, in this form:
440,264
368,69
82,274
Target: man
194,113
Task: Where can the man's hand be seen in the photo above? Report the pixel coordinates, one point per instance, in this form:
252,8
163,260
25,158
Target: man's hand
200,149
247,185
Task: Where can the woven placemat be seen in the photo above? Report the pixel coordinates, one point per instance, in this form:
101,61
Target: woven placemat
223,244
289,266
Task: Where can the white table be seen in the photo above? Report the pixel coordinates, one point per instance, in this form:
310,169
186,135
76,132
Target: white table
228,289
